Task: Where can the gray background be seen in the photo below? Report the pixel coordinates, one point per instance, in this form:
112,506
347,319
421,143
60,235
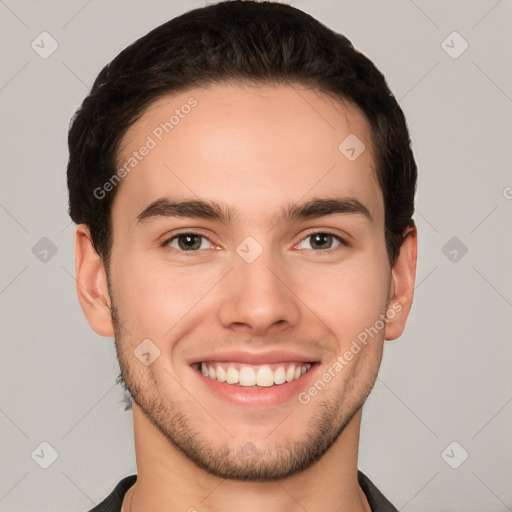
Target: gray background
446,379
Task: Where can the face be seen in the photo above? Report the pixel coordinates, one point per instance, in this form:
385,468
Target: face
249,259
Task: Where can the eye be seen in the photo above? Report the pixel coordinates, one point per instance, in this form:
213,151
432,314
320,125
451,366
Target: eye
323,242
189,242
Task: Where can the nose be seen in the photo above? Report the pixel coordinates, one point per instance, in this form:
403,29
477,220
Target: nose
258,297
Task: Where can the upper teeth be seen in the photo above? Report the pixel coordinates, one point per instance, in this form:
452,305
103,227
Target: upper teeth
254,375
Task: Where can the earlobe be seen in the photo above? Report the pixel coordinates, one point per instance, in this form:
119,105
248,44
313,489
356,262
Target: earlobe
91,283
403,275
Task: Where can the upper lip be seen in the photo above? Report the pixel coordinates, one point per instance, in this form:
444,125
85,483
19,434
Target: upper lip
255,358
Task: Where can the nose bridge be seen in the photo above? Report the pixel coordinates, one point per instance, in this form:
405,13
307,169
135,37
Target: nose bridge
256,294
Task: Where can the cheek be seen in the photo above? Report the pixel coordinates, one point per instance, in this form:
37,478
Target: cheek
348,298
152,298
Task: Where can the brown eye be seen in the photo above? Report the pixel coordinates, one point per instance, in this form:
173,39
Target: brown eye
323,241
186,242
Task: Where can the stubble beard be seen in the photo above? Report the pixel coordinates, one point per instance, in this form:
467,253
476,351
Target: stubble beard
247,461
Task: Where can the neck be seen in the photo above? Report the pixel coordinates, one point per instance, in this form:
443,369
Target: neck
167,479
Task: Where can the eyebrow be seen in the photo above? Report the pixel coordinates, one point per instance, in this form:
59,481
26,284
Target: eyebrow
197,208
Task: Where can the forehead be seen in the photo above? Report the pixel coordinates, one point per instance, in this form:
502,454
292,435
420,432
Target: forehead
249,147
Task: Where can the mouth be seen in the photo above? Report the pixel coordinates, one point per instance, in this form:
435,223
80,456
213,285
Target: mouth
244,375
258,380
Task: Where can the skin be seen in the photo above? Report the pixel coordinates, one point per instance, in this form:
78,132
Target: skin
257,149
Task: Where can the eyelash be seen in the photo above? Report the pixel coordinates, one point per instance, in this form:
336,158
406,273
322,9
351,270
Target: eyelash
319,252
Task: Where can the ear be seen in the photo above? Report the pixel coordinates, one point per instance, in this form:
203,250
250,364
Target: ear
91,283
403,275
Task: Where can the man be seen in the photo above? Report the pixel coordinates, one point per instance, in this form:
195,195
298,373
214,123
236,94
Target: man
243,185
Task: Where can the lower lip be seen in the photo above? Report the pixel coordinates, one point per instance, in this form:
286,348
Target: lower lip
254,397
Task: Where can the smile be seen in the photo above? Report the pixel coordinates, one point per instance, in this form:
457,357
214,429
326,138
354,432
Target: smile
244,375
